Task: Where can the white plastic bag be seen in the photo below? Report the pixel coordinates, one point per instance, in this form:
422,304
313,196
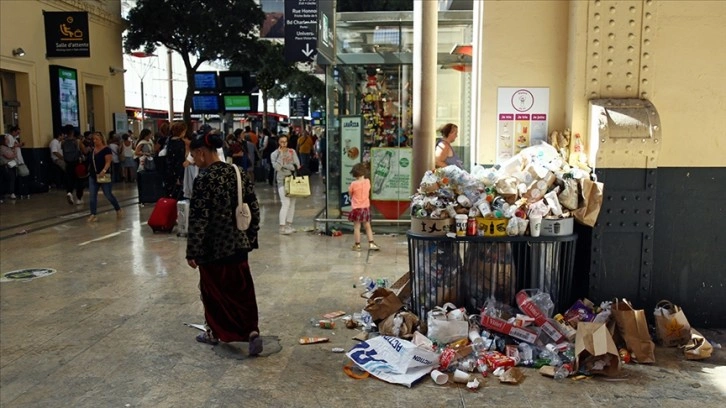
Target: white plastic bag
446,326
393,360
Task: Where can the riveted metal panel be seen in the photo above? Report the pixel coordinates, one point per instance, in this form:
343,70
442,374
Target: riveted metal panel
624,133
619,48
622,241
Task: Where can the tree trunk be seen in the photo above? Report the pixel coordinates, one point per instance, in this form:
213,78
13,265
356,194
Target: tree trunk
188,100
264,108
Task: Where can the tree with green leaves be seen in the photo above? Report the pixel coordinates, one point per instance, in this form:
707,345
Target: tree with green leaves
271,68
203,30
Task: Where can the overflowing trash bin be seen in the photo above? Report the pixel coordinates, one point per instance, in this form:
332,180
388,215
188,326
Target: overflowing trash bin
468,270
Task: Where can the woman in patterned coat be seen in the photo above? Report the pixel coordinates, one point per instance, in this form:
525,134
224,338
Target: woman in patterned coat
220,250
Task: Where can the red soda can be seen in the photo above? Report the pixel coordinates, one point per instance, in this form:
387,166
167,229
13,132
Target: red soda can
471,227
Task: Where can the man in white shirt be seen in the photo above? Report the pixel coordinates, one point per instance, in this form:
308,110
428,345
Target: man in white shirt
56,154
12,140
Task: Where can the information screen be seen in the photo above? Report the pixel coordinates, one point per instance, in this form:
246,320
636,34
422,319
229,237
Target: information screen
237,103
205,104
205,81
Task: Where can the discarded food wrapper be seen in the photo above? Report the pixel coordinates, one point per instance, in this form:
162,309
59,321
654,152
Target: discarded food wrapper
496,360
547,370
333,315
698,348
473,384
337,350
313,340
512,376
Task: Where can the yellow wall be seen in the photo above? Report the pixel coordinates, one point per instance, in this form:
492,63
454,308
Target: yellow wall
21,25
670,52
689,53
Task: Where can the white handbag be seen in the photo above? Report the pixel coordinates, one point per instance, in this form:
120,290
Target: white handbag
242,213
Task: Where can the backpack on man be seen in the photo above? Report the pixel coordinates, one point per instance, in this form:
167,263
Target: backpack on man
71,151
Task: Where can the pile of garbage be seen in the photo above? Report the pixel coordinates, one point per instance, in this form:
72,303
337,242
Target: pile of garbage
536,183
451,345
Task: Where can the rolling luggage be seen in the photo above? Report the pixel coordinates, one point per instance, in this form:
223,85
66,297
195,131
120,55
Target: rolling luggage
182,218
314,165
260,173
150,186
163,216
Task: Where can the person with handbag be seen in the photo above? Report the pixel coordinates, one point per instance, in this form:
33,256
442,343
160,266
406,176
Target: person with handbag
285,162
219,246
145,151
21,181
100,176
8,169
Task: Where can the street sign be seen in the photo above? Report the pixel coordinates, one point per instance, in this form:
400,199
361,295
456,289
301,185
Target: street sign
301,20
299,107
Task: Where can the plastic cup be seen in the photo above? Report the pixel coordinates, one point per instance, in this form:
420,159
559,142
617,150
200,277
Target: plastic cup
461,376
461,220
439,377
535,225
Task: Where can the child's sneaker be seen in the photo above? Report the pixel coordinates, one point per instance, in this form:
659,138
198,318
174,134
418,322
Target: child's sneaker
373,247
356,247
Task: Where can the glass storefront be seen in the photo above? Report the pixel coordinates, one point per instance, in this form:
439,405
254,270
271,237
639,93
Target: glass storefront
370,107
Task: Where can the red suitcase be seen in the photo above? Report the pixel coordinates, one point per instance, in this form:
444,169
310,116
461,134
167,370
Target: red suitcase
163,216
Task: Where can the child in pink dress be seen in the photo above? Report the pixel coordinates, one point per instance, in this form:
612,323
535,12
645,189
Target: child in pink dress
359,191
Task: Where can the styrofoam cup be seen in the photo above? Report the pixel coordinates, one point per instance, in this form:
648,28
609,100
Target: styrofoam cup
461,376
439,377
461,220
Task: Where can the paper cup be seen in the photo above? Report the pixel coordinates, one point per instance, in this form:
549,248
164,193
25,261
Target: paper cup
439,377
461,220
461,377
535,225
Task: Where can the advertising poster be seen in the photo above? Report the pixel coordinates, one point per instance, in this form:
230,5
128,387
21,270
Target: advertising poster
351,128
68,88
391,173
522,116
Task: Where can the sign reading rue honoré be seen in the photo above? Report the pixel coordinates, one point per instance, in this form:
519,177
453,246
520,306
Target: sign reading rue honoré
301,21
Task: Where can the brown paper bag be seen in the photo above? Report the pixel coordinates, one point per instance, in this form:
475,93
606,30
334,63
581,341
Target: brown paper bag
592,192
633,328
382,304
698,348
595,350
671,326
404,329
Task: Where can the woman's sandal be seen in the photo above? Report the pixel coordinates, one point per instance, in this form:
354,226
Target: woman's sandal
255,344
206,337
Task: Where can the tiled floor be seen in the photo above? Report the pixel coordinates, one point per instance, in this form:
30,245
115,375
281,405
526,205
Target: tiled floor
106,330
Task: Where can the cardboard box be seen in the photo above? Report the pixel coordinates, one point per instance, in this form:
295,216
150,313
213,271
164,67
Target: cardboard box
402,287
492,227
432,227
549,326
552,227
595,347
501,326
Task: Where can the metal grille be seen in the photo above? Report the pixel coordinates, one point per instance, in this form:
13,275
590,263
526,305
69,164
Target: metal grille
467,270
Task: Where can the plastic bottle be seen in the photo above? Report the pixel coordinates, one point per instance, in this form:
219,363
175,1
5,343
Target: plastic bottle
367,283
563,371
323,324
477,341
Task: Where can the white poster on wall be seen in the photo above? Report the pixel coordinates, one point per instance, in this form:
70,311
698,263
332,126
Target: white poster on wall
522,117
391,173
351,131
